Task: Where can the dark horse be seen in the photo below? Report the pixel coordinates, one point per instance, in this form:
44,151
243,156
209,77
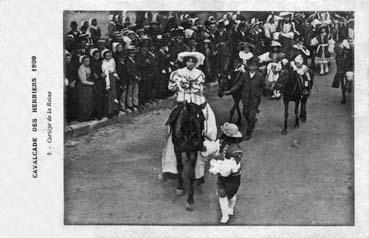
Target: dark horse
187,124
226,81
292,91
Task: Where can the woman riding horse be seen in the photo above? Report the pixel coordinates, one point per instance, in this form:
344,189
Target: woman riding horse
190,122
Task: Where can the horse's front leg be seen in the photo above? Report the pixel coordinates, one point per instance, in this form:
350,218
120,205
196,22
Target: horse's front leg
191,179
303,109
231,113
284,131
343,89
180,188
297,121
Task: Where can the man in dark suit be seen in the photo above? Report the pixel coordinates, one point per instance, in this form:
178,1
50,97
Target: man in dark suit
177,45
164,67
237,37
252,82
153,71
134,77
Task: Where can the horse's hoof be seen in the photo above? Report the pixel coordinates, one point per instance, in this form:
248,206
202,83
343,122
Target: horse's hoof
190,206
343,101
284,132
297,126
303,119
179,192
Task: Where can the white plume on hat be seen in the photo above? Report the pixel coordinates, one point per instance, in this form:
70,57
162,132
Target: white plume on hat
197,55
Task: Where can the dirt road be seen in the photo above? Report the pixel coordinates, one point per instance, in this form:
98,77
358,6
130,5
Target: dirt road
111,174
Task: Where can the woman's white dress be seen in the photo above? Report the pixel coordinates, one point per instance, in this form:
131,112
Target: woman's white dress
189,86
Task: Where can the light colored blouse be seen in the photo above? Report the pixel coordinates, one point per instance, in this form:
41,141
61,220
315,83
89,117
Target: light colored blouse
108,67
189,85
84,73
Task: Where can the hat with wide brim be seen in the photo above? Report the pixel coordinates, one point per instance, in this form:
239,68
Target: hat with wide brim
243,44
286,14
131,49
275,44
231,130
197,55
253,63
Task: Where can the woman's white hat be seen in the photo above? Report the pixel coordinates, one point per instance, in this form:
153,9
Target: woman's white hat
299,59
92,51
197,55
231,130
104,52
83,22
81,58
114,46
275,44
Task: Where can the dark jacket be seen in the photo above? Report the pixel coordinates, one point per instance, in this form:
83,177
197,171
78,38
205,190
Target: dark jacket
251,89
163,61
122,71
152,64
132,69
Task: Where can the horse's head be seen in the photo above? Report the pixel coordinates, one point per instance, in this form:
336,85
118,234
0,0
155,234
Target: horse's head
283,79
223,83
189,127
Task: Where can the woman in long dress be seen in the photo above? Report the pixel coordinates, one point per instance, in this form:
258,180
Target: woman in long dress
85,90
323,56
100,95
188,83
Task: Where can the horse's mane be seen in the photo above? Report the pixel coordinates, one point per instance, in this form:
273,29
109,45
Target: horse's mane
188,127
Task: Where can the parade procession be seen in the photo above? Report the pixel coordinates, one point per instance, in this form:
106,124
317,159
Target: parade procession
192,100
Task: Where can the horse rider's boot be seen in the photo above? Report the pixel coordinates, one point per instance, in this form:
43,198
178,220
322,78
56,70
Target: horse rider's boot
231,205
223,202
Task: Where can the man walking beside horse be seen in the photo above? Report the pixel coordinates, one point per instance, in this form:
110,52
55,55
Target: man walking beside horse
251,82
